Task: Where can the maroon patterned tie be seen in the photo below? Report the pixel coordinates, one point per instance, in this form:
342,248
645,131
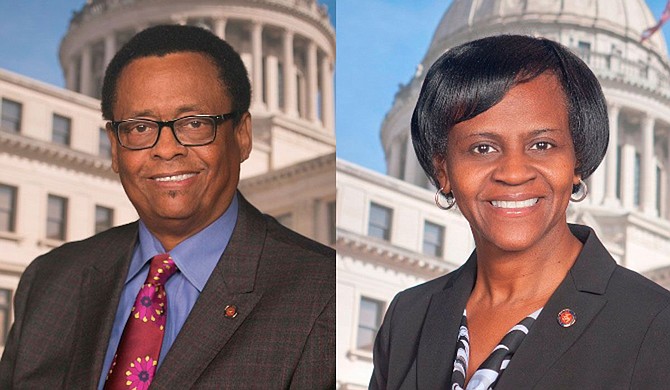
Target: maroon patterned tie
136,357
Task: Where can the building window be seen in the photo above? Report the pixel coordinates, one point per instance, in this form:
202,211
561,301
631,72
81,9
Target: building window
77,74
56,218
104,146
402,159
97,67
332,223
379,224
61,130
369,321
659,188
636,179
584,51
280,86
433,239
619,175
104,218
7,208
11,116
5,310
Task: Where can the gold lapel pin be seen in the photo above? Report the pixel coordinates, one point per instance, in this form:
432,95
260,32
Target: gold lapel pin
230,311
566,318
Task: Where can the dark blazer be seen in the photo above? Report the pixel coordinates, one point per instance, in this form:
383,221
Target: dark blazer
283,285
620,340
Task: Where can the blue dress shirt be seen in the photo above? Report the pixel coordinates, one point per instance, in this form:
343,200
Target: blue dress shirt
195,257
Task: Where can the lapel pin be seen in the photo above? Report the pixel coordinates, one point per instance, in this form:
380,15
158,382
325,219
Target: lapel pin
230,311
566,318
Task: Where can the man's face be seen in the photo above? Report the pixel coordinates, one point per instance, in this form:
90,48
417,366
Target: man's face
178,190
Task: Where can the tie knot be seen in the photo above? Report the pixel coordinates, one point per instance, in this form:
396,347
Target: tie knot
161,268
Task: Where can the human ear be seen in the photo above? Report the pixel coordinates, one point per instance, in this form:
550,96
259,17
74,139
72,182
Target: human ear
440,169
243,136
114,145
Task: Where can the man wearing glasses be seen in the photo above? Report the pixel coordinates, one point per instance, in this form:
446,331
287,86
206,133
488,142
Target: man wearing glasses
203,291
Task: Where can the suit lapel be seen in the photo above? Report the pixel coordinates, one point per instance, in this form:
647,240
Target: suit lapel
437,346
207,329
100,292
582,291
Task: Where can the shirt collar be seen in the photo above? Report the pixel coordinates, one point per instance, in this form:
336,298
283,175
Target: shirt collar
196,256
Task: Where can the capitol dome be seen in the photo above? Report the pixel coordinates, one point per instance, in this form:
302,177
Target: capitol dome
629,198
288,47
623,19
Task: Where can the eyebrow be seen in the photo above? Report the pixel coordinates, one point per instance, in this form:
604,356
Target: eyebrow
151,113
495,135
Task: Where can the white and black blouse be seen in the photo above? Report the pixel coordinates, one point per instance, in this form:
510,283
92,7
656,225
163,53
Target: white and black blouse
491,369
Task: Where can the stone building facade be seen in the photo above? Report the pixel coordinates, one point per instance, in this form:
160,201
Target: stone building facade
390,234
56,181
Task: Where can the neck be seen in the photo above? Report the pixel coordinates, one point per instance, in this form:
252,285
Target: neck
524,278
172,232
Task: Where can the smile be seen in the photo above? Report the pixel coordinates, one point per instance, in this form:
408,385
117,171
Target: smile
503,204
175,177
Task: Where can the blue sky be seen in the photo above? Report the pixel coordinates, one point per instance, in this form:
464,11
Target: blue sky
379,44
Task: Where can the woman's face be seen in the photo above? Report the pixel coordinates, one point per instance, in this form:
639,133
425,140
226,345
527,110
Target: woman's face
512,168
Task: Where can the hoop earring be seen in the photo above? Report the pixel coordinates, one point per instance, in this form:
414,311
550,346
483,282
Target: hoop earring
449,196
579,193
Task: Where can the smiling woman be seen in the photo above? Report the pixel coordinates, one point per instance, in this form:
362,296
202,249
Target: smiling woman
508,128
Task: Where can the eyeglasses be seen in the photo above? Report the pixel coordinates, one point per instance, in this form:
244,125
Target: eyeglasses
192,130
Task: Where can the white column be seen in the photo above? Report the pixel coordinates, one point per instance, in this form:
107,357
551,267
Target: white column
312,86
597,186
648,167
110,48
85,81
327,105
290,88
257,67
612,157
271,82
220,28
247,58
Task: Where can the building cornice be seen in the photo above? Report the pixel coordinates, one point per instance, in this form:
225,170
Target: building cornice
18,145
49,90
370,249
292,172
398,186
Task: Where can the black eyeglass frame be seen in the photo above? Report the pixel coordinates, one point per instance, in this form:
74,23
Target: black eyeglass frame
161,124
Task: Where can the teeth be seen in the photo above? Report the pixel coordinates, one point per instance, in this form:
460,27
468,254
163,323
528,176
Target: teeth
503,204
176,177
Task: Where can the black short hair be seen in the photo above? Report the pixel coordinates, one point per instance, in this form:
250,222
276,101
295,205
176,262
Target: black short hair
471,78
169,39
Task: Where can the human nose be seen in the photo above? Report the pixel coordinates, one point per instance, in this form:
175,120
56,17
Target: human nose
167,146
514,168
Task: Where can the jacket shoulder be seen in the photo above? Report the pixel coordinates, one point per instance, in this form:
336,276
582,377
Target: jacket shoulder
90,250
286,236
424,291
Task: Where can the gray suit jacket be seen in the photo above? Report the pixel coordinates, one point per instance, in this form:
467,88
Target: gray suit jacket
283,337
620,340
